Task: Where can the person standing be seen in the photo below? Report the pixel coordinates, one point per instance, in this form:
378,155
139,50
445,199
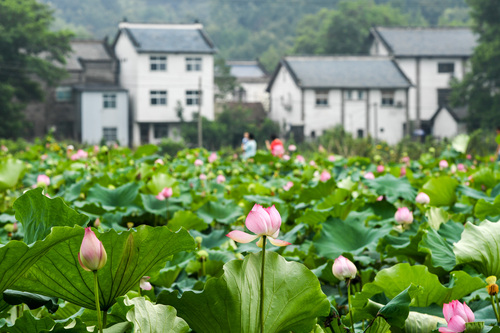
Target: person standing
276,146
248,146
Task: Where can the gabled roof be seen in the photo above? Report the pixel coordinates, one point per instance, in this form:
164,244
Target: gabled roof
458,113
360,72
426,42
246,69
167,38
87,50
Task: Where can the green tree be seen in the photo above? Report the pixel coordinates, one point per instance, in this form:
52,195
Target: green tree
29,53
224,81
344,30
480,88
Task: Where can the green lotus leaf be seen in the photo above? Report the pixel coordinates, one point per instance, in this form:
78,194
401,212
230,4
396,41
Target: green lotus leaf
38,214
219,212
421,322
131,255
230,303
479,247
484,209
188,220
441,190
379,325
392,188
111,199
10,173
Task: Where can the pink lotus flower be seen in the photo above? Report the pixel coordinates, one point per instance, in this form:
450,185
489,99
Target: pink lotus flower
380,168
286,157
422,198
43,180
4,148
92,255
461,167
403,216
331,158
278,150
312,163
96,149
212,158
80,154
44,157
203,177
292,148
300,158
325,175
469,156
402,173
220,179
262,222
288,186
144,284
380,198
405,159
443,164
369,175
198,162
159,161
456,315
165,193
343,269
321,149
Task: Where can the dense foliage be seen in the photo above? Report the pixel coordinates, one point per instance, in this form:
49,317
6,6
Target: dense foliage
167,219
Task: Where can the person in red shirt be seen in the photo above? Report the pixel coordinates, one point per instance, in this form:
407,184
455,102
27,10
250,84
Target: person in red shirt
276,146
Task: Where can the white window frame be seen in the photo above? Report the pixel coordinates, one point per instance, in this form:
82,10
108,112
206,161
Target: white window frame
193,64
158,63
192,97
159,96
387,97
321,98
109,101
110,134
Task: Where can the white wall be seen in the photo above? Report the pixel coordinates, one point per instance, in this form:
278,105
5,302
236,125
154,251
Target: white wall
445,125
256,93
319,118
95,117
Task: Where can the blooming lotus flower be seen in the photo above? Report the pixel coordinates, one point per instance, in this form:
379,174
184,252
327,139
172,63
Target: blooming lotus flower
288,186
203,177
159,161
286,157
165,193
278,150
312,163
300,158
220,179
144,284
92,255
403,216
325,175
198,162
405,159
369,175
422,198
292,148
262,222
343,269
402,173
43,180
380,168
380,198
461,167
331,158
456,315
212,158
469,156
443,164
80,154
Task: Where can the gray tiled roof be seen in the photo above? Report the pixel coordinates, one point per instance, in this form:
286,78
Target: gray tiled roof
87,50
246,69
170,40
346,72
428,41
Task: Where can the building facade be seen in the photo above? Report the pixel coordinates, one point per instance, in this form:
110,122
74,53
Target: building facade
168,71
366,95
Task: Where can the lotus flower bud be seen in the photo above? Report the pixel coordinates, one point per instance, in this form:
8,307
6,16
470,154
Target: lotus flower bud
144,284
220,179
292,148
203,177
380,168
198,162
331,158
43,180
300,158
422,198
343,269
369,175
288,186
403,216
461,167
92,255
325,175
165,193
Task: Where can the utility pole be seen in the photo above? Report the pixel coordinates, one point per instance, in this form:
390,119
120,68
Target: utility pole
200,128
375,116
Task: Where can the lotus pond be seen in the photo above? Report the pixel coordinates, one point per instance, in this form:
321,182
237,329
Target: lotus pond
209,243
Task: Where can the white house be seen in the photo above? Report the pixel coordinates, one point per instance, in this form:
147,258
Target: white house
448,122
252,82
365,94
168,69
429,57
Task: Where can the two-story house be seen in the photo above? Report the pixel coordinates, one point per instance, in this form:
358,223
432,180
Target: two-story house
429,57
88,105
168,70
252,81
366,95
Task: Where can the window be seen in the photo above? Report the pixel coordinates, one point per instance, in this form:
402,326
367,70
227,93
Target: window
355,94
193,64
321,97
63,94
109,134
360,133
160,130
158,97
158,63
446,67
361,94
443,96
348,94
387,97
192,97
109,101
